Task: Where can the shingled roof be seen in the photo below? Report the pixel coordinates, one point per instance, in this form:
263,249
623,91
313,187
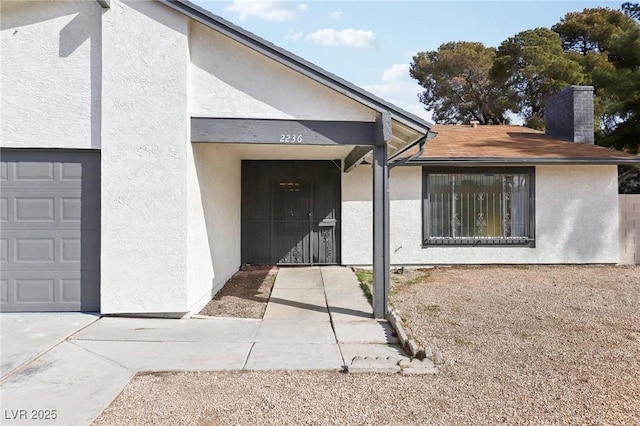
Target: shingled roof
466,144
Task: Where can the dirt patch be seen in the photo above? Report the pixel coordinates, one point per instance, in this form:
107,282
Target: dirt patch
245,295
531,345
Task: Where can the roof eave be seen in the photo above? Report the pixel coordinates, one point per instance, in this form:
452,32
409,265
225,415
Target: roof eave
497,161
297,63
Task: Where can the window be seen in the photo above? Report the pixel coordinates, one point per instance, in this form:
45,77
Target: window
478,206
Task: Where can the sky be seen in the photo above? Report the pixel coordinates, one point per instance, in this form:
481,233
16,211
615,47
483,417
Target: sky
372,43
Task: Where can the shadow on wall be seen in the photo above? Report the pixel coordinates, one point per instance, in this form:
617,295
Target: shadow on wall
218,174
85,25
586,240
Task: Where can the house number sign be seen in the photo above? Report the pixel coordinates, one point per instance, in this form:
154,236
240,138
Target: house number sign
291,138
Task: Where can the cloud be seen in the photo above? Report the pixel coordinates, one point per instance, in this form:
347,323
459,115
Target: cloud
348,37
293,35
268,10
397,87
395,73
336,14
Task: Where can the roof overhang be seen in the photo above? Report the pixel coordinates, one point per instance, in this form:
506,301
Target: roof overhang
473,162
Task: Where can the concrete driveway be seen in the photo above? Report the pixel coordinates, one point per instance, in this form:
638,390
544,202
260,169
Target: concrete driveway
67,368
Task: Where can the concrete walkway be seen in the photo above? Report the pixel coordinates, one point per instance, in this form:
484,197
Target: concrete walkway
76,364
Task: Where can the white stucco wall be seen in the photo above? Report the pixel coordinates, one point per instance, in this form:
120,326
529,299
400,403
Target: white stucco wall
50,73
200,271
576,220
629,246
219,175
145,143
231,80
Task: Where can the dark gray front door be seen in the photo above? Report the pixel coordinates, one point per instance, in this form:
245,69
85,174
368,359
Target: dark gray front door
292,220
50,241
290,212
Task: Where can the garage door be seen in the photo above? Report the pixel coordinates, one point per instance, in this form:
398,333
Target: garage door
50,240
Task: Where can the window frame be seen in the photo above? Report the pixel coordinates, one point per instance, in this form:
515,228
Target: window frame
428,241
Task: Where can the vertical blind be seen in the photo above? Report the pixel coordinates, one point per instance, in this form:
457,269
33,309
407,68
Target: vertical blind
479,206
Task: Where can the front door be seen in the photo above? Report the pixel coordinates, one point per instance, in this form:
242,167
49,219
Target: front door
290,212
292,220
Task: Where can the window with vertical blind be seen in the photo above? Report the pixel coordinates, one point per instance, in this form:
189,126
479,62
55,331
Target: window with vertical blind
463,206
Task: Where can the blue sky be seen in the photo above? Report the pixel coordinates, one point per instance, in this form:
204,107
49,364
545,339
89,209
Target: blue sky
371,43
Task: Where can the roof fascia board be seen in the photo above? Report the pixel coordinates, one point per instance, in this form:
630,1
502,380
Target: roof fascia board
520,161
296,63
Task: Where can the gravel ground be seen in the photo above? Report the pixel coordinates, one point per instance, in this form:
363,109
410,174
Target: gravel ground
245,295
522,345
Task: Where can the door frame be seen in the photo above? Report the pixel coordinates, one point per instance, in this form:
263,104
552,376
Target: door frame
272,171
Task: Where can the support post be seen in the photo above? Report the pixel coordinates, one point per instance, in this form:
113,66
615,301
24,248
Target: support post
381,251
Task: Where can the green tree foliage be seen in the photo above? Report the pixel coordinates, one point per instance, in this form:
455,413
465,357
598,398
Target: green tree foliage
606,44
591,30
620,84
533,64
587,36
457,85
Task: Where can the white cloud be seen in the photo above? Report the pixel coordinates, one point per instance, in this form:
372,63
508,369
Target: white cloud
395,73
267,10
397,86
293,35
348,37
336,14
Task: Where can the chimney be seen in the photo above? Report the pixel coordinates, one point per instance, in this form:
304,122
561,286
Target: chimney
568,115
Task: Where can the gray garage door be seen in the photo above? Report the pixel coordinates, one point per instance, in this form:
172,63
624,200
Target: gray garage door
50,240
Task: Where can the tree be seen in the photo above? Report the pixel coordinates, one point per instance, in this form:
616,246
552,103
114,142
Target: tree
606,44
586,37
591,30
457,85
620,83
533,64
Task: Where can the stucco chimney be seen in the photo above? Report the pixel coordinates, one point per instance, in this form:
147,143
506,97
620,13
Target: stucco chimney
568,115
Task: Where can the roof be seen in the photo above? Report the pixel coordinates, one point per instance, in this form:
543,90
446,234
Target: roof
468,145
306,68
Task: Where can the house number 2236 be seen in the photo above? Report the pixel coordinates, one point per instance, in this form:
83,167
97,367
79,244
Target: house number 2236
290,138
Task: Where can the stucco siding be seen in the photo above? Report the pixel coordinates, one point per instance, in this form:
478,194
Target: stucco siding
576,220
232,80
357,216
629,246
50,74
200,272
145,143
219,171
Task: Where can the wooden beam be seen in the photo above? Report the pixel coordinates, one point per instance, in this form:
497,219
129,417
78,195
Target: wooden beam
355,157
282,132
